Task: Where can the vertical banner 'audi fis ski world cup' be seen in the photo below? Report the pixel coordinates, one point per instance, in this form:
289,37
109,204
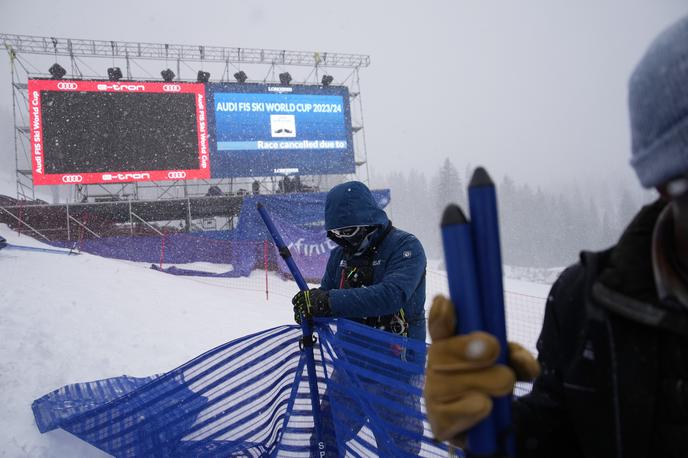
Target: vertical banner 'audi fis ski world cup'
86,132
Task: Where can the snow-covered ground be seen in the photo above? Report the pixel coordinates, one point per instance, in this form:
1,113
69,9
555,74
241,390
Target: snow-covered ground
67,319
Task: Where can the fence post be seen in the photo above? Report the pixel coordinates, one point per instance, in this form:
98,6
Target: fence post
307,342
162,248
188,203
265,264
69,238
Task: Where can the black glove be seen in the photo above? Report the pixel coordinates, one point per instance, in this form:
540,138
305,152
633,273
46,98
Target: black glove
315,302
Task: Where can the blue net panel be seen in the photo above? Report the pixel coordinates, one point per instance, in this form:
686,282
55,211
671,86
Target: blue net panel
251,397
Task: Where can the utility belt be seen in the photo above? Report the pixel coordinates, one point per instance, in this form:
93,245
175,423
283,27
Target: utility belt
357,272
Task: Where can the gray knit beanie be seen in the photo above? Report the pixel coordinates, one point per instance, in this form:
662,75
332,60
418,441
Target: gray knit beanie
658,105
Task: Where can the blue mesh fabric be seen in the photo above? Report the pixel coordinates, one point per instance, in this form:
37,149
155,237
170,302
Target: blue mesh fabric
250,397
373,405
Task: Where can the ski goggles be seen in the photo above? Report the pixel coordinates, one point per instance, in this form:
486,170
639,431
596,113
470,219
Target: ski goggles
347,232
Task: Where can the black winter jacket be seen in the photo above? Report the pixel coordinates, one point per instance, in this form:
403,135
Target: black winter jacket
614,380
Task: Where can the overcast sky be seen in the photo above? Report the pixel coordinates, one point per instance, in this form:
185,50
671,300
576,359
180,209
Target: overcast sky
536,89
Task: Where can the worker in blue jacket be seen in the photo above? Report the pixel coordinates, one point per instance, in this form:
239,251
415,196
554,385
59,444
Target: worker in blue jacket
376,274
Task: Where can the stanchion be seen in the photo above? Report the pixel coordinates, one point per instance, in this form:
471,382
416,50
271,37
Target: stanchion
463,289
306,328
482,200
474,270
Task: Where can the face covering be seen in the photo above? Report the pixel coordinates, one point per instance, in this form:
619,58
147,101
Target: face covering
670,246
354,239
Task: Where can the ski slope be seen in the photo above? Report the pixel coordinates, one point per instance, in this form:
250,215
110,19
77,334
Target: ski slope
67,319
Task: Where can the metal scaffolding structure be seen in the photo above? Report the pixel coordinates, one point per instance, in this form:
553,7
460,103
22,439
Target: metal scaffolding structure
27,44
69,221
31,56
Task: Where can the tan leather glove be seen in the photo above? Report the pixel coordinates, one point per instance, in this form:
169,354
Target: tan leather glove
462,375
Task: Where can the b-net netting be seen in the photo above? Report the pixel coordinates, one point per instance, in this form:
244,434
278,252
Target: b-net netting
251,397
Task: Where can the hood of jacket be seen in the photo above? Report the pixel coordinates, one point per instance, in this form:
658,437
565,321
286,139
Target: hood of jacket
352,204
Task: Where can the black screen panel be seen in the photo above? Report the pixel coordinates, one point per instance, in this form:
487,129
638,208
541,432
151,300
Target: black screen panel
104,131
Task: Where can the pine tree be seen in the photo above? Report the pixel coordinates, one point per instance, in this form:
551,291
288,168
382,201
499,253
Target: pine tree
450,187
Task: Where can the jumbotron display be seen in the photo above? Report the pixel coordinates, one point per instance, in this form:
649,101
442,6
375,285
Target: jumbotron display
86,132
270,129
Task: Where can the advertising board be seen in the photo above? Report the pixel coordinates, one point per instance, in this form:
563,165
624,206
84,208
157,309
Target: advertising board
268,129
84,132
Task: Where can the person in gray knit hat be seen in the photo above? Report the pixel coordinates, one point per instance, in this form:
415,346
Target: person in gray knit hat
611,377
658,102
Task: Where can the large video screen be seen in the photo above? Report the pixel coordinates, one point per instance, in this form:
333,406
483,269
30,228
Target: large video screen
265,130
113,132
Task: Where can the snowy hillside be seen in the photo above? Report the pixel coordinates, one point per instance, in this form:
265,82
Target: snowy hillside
67,319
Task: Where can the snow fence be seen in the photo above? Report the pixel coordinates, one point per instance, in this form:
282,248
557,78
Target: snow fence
250,397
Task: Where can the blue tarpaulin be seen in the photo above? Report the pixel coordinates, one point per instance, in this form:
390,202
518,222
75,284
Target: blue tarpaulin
250,397
299,216
306,209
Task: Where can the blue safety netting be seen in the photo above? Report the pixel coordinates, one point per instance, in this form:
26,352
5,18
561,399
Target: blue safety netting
250,397
299,217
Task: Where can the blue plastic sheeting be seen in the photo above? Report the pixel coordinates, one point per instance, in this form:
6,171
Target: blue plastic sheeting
306,209
299,217
250,397
179,248
300,220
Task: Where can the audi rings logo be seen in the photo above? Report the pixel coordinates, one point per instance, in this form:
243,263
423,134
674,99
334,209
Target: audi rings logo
176,174
171,88
67,86
72,178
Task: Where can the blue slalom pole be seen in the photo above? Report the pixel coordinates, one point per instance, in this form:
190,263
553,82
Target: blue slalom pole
306,327
463,290
482,200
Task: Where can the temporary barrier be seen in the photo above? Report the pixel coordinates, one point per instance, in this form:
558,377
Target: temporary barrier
250,397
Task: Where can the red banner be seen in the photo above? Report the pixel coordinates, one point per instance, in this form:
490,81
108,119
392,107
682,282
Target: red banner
38,149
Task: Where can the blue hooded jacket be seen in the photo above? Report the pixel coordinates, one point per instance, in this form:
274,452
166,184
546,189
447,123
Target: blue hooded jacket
398,264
